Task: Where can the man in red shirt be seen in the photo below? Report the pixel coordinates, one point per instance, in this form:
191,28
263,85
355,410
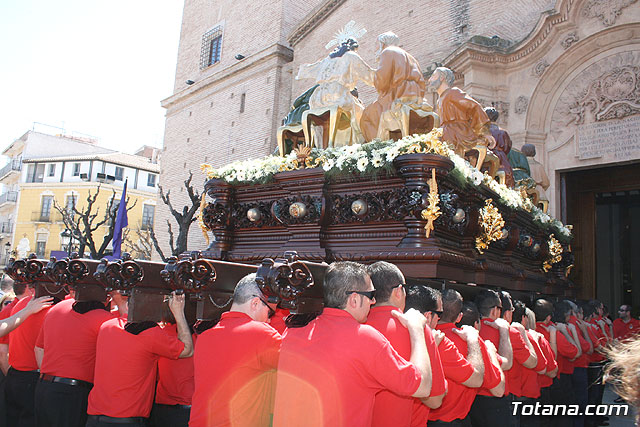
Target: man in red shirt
512,345
23,373
235,363
529,383
331,369
174,390
389,408
625,326
566,349
126,363
21,291
597,360
465,358
66,354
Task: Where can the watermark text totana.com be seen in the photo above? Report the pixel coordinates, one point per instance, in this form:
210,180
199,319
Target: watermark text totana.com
520,408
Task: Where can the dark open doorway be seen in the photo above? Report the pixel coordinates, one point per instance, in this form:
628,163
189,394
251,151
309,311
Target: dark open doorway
603,204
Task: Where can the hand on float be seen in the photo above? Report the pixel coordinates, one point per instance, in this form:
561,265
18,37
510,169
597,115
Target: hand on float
176,303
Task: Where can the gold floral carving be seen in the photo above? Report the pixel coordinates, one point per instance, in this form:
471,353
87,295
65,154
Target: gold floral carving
432,212
203,226
555,253
491,224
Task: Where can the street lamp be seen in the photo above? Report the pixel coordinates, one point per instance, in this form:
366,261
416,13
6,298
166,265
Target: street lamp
66,237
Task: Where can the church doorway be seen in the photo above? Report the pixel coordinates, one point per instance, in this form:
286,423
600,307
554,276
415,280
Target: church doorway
603,204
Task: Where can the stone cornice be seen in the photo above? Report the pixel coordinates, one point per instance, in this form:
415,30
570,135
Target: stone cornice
497,54
310,21
276,50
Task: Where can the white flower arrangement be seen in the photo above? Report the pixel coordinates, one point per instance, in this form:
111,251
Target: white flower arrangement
367,158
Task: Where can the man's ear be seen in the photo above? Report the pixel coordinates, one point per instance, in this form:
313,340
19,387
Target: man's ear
459,318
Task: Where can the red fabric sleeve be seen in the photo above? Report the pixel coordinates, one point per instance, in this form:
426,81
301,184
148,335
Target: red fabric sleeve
542,360
438,381
163,344
394,373
565,348
40,339
491,372
456,367
520,349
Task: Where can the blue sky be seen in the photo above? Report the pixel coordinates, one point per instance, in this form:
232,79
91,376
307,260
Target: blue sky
92,67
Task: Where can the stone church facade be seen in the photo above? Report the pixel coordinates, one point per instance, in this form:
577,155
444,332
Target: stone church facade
564,75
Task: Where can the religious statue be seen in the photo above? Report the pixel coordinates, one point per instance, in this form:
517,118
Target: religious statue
336,77
465,125
538,175
503,146
401,88
24,247
290,134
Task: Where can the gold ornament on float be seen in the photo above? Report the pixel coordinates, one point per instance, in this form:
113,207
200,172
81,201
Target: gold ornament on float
491,223
555,253
432,212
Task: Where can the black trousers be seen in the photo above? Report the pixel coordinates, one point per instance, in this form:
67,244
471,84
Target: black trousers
20,390
561,393
169,415
465,422
580,384
61,405
102,421
3,406
489,411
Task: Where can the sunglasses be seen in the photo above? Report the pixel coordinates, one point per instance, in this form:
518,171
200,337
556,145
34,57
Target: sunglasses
271,310
438,313
369,294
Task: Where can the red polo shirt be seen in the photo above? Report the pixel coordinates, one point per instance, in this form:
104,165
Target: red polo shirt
23,339
69,341
175,376
622,330
235,364
126,364
389,408
331,370
520,355
529,386
566,350
6,312
543,379
459,398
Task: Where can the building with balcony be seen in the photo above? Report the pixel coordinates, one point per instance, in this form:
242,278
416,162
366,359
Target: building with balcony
45,171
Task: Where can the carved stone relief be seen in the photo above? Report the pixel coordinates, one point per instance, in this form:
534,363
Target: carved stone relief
521,104
569,39
601,108
502,107
606,11
540,67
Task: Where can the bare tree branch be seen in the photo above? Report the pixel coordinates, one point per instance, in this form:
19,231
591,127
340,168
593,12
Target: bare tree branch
184,219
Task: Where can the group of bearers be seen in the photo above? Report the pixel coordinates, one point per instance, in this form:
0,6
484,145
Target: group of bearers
380,353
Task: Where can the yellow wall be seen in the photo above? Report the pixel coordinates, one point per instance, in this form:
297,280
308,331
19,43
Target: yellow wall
29,224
